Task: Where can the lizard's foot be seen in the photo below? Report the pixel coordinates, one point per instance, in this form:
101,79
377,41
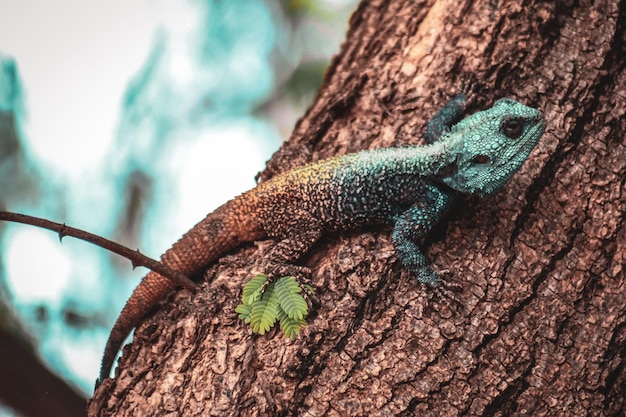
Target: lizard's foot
468,84
446,291
447,285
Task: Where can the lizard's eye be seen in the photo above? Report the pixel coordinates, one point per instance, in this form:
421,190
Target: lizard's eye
512,128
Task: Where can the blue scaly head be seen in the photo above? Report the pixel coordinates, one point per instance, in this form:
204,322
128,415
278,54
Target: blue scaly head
495,144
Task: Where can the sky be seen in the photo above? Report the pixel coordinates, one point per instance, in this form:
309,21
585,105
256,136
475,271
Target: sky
61,49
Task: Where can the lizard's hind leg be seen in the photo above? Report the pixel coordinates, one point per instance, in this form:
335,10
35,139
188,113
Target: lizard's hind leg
297,236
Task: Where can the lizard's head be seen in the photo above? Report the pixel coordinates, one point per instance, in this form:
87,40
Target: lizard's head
495,143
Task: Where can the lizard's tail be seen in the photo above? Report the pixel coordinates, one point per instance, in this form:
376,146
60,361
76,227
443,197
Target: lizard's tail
152,288
220,232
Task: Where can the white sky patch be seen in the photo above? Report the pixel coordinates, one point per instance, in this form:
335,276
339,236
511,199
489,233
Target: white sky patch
37,267
208,166
75,58
81,358
214,165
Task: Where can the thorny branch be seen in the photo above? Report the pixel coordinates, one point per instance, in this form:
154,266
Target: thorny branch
134,256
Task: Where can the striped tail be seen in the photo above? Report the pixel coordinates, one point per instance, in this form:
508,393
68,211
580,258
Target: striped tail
220,232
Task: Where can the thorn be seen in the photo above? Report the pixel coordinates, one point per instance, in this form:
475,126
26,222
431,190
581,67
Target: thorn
62,233
132,261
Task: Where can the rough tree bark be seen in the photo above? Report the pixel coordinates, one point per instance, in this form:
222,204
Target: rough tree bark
542,325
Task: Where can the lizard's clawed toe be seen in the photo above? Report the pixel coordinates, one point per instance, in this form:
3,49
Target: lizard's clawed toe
445,291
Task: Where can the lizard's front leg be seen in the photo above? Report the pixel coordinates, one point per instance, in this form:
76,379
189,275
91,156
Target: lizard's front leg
415,223
445,118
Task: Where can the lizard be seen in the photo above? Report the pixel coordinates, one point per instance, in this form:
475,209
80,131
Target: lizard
409,188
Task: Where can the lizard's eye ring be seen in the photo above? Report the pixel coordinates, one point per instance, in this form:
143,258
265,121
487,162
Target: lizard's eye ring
512,128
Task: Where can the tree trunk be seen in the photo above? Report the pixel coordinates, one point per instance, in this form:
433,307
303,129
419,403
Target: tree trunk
542,323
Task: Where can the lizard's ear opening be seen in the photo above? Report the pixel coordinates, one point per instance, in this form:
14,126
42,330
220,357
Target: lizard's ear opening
480,159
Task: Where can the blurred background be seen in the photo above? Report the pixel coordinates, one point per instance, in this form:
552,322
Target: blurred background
132,120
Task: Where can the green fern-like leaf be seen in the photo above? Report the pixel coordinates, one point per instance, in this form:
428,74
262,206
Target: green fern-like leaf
265,311
288,292
289,326
244,312
262,305
253,289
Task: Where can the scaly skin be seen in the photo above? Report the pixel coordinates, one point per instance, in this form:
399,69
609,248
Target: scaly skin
409,188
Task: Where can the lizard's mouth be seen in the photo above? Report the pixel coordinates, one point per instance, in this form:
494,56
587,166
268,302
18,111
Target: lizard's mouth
481,159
